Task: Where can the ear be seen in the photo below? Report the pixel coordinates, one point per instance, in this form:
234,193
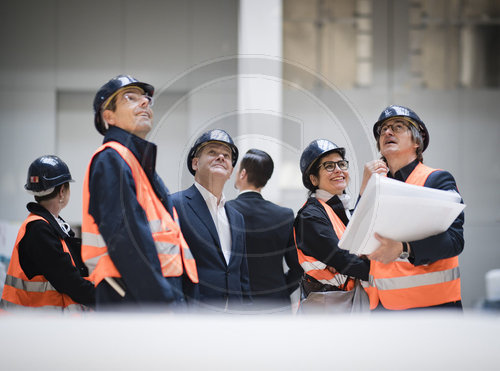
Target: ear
109,117
194,163
243,173
314,180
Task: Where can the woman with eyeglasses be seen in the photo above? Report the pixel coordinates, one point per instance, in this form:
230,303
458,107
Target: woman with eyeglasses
46,270
321,221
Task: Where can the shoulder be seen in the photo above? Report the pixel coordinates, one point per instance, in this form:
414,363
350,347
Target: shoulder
234,214
38,225
182,196
311,205
37,229
441,179
108,161
285,212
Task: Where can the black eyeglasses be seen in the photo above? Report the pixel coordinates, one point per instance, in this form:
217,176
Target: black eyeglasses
331,165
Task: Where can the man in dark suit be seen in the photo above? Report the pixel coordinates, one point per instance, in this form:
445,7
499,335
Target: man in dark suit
269,236
214,231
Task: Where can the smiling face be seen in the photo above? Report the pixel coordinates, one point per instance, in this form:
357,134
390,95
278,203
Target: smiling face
397,140
132,113
334,182
213,163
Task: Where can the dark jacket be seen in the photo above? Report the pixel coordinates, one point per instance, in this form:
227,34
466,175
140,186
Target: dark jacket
446,244
269,239
316,237
123,224
41,253
219,281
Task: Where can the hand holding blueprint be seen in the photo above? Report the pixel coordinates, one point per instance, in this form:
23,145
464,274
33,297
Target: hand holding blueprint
399,211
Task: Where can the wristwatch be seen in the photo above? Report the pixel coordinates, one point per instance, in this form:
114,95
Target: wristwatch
405,254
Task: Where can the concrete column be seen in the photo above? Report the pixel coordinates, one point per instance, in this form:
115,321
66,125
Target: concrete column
259,82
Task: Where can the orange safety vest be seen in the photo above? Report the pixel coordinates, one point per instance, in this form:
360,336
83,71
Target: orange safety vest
173,251
21,292
401,285
317,269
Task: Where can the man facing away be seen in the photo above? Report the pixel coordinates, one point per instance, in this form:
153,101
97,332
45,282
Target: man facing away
132,242
269,237
413,274
214,231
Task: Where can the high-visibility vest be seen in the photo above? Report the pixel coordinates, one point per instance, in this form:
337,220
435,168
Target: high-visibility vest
401,285
173,251
317,269
21,292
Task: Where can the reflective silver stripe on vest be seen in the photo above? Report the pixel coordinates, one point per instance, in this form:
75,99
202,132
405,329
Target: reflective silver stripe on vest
155,226
167,248
425,279
187,253
312,266
92,239
369,283
92,262
29,286
7,305
72,308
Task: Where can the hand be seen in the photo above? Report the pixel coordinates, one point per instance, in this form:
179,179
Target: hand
331,269
372,167
388,251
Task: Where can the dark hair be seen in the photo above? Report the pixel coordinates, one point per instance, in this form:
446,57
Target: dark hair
416,136
53,194
259,167
314,170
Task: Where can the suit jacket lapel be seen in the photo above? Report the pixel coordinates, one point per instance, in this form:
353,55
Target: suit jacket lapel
200,209
234,229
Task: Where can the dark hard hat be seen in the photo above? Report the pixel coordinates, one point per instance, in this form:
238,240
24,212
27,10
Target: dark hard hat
215,135
400,111
109,89
47,172
312,153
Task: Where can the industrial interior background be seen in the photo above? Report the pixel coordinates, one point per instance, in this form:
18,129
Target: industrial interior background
275,74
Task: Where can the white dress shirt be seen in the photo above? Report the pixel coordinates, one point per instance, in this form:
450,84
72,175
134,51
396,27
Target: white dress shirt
219,217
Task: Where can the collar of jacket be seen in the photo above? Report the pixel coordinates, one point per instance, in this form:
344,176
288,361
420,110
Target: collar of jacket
403,173
250,194
144,151
36,208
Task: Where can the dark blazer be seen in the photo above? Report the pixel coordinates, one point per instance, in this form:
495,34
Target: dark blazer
269,239
218,280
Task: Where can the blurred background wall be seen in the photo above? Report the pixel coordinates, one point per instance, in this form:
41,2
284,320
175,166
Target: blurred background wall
274,74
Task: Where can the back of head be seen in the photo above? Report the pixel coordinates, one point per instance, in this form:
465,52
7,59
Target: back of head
45,176
259,167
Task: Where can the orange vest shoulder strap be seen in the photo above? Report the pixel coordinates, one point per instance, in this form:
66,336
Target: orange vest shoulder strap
338,226
420,174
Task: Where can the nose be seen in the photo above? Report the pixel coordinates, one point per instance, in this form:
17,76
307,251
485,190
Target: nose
389,127
144,101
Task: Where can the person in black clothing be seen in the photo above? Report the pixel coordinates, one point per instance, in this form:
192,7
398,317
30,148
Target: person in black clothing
47,256
269,237
321,221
